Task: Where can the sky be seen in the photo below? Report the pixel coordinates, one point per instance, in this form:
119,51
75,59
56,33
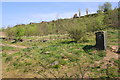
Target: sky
14,13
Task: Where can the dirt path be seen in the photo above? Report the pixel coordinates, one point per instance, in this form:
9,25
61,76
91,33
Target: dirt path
16,46
110,55
107,59
12,45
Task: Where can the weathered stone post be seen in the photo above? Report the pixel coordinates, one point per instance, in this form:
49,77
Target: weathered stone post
101,40
119,31
119,40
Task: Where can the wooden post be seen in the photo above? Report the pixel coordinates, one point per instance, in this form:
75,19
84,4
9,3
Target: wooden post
101,40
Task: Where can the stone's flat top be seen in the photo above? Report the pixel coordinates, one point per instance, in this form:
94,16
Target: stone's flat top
100,32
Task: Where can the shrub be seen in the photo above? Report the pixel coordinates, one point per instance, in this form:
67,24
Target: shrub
76,30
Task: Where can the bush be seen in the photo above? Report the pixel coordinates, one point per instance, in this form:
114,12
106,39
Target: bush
76,30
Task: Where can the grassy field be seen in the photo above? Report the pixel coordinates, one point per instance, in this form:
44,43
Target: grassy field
59,57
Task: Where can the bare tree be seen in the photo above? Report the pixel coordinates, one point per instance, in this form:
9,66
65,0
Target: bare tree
86,11
79,12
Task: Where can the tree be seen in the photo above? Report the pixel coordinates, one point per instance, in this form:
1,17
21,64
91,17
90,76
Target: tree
107,6
79,12
94,24
10,32
100,9
20,31
111,18
76,30
86,11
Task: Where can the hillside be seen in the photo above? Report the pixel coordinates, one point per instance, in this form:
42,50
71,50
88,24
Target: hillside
93,22
64,48
54,27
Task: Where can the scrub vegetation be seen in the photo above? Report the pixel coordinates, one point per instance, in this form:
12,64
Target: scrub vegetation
63,48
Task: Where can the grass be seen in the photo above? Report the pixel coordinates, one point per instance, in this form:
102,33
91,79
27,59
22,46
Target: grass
112,37
60,56
7,48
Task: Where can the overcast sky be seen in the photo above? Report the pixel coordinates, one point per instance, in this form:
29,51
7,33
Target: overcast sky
14,13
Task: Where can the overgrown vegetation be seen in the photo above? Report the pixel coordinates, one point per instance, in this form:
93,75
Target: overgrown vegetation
60,58
54,52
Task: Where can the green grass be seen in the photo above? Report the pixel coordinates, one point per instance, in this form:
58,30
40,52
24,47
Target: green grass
64,51
112,37
7,48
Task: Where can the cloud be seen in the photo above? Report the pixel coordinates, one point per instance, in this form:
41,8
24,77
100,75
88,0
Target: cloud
52,16
38,17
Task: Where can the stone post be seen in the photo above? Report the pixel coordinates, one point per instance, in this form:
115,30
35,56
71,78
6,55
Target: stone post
101,40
